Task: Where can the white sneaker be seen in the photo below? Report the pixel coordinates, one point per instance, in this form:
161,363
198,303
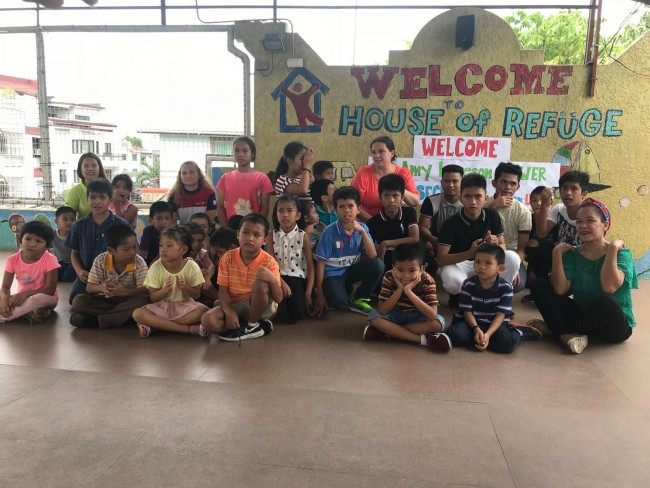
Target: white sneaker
574,342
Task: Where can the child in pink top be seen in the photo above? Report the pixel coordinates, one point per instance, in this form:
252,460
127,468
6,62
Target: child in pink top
244,190
36,271
121,204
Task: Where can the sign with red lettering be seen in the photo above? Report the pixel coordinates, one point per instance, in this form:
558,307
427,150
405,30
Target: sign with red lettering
488,149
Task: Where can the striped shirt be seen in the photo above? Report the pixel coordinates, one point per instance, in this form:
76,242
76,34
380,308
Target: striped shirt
89,238
484,303
426,290
104,269
239,277
281,185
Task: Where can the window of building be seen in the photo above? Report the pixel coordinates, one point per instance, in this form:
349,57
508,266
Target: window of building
82,117
134,157
63,175
109,174
3,143
36,146
75,177
82,146
222,147
97,147
108,150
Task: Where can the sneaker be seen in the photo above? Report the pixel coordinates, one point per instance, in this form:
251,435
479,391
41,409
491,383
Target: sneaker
267,326
528,298
454,302
83,320
371,333
38,315
541,326
360,305
145,330
574,342
438,342
242,333
528,333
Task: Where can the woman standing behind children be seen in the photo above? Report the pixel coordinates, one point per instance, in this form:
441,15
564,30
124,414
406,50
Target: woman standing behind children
191,193
292,250
89,168
244,190
121,204
174,283
293,173
37,273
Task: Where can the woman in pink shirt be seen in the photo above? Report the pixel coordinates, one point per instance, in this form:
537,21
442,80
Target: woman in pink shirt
367,178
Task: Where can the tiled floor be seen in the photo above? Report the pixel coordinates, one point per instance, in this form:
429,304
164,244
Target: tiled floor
313,406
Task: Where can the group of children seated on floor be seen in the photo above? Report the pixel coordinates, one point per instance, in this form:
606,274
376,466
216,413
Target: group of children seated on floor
193,279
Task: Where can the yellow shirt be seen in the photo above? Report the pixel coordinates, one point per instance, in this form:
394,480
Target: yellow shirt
157,278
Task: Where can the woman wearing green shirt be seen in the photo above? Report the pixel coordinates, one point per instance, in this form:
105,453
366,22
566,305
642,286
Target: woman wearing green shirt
599,274
89,168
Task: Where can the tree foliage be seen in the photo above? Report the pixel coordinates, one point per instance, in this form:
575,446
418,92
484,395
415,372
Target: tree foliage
149,174
562,36
135,141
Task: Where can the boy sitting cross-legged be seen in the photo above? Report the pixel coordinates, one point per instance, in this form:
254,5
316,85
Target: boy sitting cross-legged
115,283
408,305
486,306
340,264
249,286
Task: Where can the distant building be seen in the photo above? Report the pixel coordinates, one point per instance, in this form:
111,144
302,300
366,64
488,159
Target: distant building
207,148
75,128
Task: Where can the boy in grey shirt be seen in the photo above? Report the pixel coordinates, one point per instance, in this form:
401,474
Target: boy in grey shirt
64,218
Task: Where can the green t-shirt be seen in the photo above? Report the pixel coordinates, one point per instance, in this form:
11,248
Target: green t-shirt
76,199
584,275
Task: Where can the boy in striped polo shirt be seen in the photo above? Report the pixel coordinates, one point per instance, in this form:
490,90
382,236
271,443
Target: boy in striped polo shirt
486,306
115,283
249,286
408,304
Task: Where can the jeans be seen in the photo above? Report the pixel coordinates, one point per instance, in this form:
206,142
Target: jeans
78,288
337,288
504,340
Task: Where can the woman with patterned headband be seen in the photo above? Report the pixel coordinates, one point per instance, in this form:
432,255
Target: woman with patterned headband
599,274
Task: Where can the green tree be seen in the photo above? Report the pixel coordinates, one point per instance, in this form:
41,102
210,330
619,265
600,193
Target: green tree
149,174
562,36
135,141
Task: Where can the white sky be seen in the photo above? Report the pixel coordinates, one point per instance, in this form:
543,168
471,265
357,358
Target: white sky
190,81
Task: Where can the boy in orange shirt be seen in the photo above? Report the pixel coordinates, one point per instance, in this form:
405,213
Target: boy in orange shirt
249,286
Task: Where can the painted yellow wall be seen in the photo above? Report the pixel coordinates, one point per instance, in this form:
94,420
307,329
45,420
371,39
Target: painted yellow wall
621,158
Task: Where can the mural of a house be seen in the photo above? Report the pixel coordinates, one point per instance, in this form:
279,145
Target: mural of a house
301,101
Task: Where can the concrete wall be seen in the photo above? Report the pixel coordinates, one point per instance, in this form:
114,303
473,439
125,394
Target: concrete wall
440,89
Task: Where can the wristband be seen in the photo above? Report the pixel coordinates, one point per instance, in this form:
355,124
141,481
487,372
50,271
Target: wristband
475,327
306,169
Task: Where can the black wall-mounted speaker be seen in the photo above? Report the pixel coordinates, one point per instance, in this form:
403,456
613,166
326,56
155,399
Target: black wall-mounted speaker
466,31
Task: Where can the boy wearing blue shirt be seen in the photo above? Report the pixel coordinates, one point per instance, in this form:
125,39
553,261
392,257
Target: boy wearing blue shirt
485,307
87,239
340,263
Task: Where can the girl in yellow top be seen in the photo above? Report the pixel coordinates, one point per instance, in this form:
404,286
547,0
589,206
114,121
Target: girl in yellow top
174,283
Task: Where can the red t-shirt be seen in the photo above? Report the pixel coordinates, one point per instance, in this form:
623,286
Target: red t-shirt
368,187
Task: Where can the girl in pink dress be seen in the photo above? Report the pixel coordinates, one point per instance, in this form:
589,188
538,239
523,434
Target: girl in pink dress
36,271
244,190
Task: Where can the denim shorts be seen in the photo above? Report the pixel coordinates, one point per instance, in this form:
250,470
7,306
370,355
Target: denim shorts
401,317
